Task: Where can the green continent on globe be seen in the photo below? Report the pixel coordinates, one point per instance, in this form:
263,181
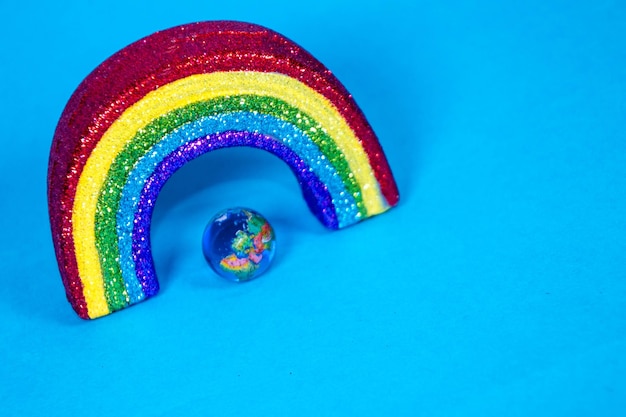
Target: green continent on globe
248,246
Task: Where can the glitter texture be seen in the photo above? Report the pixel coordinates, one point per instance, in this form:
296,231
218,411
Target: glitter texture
313,189
172,96
117,223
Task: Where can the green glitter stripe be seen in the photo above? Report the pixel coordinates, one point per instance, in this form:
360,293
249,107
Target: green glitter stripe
110,194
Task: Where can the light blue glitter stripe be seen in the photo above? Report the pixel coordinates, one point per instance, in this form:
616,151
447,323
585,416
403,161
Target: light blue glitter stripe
283,131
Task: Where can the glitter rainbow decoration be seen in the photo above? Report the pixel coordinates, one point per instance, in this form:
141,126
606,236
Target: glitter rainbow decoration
171,97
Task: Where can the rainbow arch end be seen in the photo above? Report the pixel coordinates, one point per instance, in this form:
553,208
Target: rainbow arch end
171,97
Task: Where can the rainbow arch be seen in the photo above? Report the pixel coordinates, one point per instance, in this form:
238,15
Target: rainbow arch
171,97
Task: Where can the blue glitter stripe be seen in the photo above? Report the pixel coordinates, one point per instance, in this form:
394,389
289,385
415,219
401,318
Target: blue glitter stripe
288,134
312,187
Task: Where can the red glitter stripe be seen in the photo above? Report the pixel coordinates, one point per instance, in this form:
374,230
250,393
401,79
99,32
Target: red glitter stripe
161,58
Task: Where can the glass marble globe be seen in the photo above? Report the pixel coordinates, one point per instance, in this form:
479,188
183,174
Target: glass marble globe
238,244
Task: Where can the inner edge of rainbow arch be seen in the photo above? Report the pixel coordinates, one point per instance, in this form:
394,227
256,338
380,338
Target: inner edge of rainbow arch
141,248
332,122
164,135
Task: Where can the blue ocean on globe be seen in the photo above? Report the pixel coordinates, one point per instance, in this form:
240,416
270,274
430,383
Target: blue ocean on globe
239,244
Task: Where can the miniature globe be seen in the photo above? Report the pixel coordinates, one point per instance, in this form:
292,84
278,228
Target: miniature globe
238,244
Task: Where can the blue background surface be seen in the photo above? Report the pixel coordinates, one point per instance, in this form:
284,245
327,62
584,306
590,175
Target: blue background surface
496,287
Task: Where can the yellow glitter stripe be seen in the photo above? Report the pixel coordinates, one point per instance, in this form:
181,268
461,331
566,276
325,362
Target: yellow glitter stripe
195,88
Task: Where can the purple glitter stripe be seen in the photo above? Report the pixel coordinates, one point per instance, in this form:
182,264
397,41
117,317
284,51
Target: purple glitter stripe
315,192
